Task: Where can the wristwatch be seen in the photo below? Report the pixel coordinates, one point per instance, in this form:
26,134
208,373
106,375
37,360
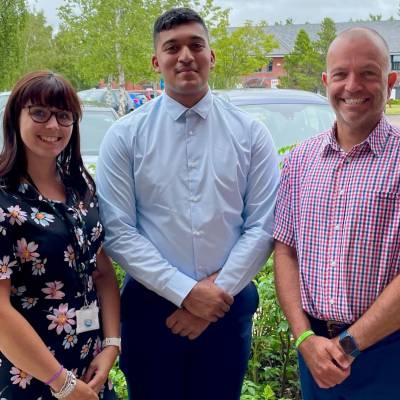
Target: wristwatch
112,341
349,344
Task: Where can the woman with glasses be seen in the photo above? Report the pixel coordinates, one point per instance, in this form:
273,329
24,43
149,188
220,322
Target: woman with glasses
59,299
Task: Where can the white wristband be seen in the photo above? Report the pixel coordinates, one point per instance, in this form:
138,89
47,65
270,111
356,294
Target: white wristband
112,341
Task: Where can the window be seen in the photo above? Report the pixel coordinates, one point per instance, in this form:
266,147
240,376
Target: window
395,62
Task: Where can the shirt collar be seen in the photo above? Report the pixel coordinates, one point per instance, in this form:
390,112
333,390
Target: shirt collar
176,109
376,139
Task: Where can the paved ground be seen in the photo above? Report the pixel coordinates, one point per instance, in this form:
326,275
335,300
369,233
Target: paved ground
394,119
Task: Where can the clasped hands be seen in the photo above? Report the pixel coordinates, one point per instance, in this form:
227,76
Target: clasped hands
204,304
326,360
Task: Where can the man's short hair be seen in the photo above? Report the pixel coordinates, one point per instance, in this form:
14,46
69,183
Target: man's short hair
175,17
362,30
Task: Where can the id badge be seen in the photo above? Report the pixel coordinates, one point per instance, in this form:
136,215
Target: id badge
87,319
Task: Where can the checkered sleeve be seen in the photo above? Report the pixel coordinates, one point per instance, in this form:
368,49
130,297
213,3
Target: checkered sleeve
284,230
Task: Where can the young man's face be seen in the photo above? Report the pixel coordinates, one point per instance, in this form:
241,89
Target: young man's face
358,82
184,58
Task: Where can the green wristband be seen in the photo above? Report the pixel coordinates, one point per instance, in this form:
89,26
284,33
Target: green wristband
303,337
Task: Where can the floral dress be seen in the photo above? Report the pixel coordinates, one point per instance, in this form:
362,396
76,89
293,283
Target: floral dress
48,250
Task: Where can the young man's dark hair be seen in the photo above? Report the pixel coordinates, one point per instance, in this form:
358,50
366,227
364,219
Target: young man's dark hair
175,17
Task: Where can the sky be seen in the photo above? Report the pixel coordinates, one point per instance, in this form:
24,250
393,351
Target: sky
313,11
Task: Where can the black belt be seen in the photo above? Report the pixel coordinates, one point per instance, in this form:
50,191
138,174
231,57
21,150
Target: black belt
328,329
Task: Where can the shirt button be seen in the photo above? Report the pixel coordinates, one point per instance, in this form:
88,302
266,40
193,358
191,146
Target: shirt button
196,233
331,301
191,133
337,227
341,192
333,263
194,199
192,164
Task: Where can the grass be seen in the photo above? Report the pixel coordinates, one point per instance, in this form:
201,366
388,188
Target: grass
393,109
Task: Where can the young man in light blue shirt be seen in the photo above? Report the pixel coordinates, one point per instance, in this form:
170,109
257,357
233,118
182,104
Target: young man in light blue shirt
187,188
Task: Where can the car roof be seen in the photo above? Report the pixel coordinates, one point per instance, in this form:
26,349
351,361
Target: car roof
270,96
90,107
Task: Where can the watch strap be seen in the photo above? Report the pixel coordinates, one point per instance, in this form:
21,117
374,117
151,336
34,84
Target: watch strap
356,351
112,341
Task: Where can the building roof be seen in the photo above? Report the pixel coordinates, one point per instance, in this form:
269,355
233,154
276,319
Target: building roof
286,34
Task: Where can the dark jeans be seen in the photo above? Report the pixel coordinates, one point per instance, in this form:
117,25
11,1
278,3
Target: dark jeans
159,365
374,375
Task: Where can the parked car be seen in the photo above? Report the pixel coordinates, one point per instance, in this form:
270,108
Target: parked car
290,115
138,98
94,125
3,99
108,97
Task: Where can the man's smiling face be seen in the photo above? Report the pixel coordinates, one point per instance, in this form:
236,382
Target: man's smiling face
358,81
184,58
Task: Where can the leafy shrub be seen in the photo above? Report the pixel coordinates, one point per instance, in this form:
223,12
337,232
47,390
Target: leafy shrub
272,371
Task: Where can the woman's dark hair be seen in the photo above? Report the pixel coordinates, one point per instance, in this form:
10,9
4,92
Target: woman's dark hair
47,89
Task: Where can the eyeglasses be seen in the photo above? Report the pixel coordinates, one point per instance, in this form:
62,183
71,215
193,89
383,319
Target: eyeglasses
42,115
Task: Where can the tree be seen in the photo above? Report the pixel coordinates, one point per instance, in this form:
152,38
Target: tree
325,37
112,39
377,17
12,22
239,52
38,44
302,65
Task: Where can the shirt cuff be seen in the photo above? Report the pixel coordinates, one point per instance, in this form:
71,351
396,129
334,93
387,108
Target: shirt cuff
178,288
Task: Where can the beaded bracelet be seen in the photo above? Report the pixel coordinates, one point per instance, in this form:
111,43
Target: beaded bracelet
55,376
67,388
303,337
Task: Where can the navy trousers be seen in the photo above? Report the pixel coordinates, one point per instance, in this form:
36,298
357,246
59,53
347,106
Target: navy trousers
159,365
375,375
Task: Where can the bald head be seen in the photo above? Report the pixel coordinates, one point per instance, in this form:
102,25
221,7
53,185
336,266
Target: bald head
362,34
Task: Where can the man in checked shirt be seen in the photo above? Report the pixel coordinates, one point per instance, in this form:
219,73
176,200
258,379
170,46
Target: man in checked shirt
337,233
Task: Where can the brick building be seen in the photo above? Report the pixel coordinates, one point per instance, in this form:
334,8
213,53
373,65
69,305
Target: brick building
286,37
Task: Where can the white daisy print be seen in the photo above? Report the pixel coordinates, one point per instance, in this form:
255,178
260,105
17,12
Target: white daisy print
29,302
38,267
53,290
62,319
97,347
79,236
86,348
23,187
6,267
70,340
16,215
27,251
3,231
19,291
41,218
82,208
20,377
69,256
96,231
2,215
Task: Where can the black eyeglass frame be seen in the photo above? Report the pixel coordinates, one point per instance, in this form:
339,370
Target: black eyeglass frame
51,113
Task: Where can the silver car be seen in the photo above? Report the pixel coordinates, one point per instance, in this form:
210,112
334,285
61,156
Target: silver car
290,115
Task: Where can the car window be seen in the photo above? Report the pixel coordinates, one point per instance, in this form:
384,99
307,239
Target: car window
91,95
3,100
292,123
93,127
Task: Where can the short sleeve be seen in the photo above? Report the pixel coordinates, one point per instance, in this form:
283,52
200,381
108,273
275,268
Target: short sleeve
8,261
284,227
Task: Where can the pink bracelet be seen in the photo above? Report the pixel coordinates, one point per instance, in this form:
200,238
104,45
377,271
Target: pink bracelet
55,376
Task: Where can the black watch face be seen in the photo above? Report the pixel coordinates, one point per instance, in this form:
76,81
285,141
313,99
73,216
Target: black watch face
348,344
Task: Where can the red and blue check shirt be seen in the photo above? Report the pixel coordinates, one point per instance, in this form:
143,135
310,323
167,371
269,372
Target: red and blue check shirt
341,212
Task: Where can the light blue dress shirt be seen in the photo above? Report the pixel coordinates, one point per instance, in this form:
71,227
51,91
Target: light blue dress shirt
187,192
